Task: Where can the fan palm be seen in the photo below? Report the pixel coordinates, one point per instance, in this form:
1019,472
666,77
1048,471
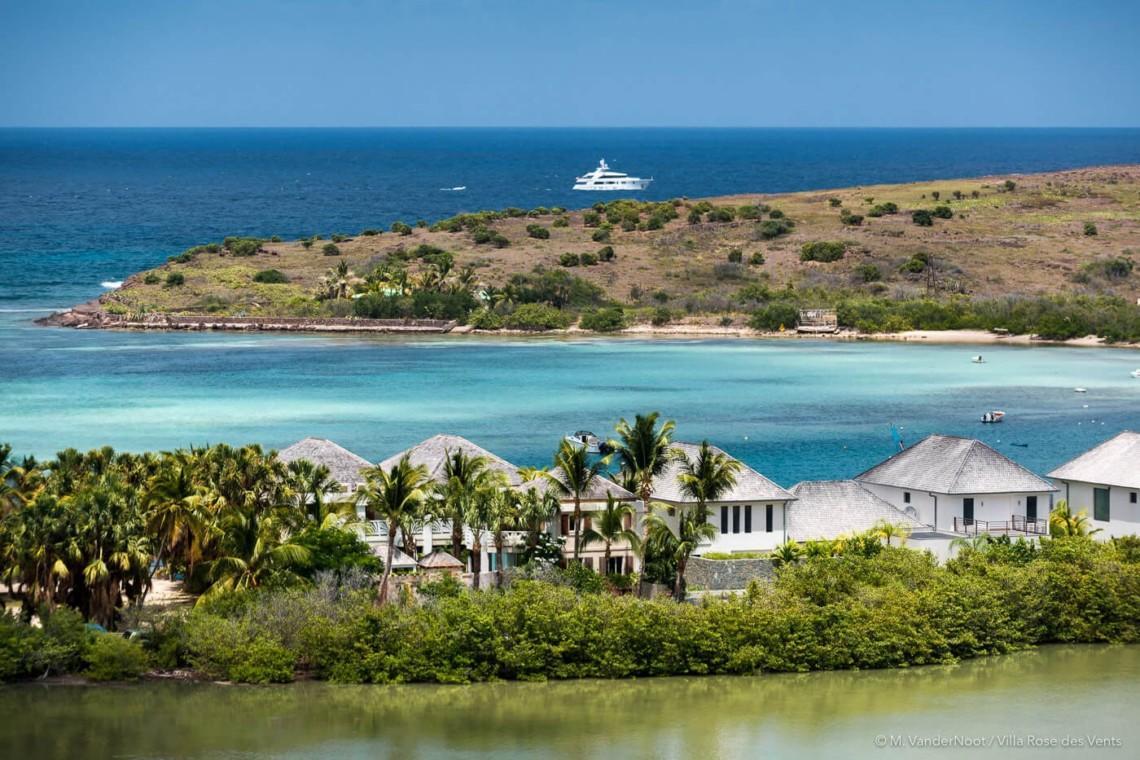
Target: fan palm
465,475
1063,522
888,530
609,528
575,475
535,505
393,495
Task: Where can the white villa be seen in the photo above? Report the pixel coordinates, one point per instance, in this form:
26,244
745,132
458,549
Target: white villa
594,500
749,518
963,486
1104,483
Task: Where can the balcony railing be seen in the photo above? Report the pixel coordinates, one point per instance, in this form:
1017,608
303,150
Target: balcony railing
1016,524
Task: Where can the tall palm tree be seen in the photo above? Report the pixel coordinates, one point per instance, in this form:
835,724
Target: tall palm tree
466,474
678,545
536,505
393,495
609,528
478,517
708,477
575,475
172,511
643,451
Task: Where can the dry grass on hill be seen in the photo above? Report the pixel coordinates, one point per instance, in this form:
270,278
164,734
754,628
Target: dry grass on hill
1029,241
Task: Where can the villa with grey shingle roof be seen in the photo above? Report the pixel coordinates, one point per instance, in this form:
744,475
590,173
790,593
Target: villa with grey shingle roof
829,509
593,500
1104,482
434,452
962,485
345,467
749,517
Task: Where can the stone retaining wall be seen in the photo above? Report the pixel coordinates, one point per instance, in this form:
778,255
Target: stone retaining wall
726,574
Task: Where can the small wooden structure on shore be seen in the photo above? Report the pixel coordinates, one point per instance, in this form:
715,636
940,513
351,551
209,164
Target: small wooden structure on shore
817,321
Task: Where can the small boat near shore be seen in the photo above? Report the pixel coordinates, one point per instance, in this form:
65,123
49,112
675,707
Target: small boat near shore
993,417
1135,373
592,443
978,359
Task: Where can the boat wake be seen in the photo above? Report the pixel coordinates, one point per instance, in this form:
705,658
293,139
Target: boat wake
457,189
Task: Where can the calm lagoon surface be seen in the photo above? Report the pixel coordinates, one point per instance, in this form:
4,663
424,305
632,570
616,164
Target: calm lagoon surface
793,409
1053,694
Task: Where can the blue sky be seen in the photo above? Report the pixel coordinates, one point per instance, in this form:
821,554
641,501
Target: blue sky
569,63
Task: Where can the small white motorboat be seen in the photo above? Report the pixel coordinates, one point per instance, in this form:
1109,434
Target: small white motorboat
592,443
978,359
993,417
1135,373
1080,390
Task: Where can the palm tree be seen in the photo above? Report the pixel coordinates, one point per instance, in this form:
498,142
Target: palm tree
393,495
575,476
609,528
535,505
707,478
466,474
787,553
1062,522
503,515
478,517
173,514
678,545
887,530
643,451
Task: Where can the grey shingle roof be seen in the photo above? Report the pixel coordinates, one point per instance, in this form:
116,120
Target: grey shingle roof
831,508
433,454
750,485
1116,462
952,465
441,560
599,489
400,560
344,466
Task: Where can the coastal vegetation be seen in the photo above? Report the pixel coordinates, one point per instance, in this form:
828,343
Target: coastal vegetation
286,587
1049,254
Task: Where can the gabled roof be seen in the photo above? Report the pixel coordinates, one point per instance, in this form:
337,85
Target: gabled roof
433,454
598,490
831,508
344,466
1116,462
440,560
750,485
952,465
400,560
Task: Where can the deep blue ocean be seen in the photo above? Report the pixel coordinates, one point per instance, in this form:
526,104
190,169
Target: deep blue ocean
81,207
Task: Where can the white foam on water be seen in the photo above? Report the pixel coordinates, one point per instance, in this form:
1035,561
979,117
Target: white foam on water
111,284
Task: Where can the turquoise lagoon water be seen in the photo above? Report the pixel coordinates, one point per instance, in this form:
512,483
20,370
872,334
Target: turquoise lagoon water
79,207
792,409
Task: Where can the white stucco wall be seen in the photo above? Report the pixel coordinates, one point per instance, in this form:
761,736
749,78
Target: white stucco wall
1124,515
998,507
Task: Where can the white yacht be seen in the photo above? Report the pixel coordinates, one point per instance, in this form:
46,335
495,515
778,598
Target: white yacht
603,178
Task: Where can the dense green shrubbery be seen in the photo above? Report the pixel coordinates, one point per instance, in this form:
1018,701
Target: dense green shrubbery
606,253
556,287
538,232
111,657
174,279
422,304
608,319
151,278
849,219
239,246
330,249
485,319
401,228
823,250
569,260
773,228
270,277
922,217
893,609
882,209
537,316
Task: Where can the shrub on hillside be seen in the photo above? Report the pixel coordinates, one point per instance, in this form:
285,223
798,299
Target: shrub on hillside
942,212
175,279
601,235
606,253
538,232
770,229
569,260
822,250
330,249
270,277
589,259
1090,229
922,217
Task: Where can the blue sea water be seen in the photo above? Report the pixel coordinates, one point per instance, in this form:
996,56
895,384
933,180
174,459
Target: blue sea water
80,207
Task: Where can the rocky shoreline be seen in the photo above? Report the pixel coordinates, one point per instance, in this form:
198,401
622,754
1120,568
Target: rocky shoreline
91,316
